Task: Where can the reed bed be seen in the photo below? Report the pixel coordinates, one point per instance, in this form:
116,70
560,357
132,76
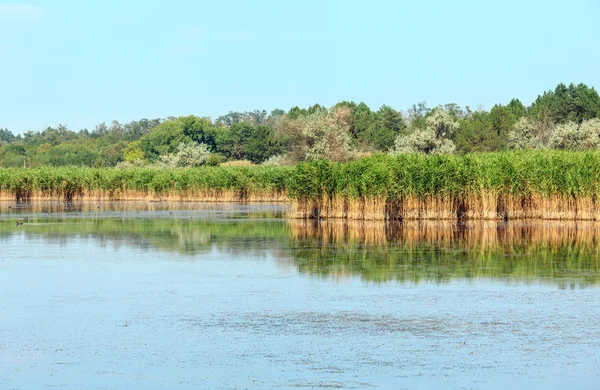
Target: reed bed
224,184
512,185
551,185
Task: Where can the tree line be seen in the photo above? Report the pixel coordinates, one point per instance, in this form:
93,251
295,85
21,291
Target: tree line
567,117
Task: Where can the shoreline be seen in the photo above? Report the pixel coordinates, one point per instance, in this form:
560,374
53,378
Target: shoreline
356,211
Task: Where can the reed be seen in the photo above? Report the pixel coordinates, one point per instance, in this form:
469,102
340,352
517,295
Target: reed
224,184
516,185
554,185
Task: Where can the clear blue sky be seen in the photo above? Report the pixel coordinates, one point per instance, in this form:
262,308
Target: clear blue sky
80,63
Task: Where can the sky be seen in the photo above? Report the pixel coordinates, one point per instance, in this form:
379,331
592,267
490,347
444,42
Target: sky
80,63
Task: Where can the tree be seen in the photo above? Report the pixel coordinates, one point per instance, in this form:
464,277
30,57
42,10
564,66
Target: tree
526,134
247,141
296,112
327,135
477,134
436,138
133,153
573,136
163,140
7,136
12,155
487,132
199,130
137,129
256,117
262,144
361,121
567,104
191,155
417,114
387,125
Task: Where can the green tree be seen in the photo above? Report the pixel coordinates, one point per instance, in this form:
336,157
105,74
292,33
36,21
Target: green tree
163,140
247,141
487,132
7,136
388,125
296,112
567,104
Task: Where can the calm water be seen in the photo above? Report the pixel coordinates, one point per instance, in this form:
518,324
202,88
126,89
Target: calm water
180,296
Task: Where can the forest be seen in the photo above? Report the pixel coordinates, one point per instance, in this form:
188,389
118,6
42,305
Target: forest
566,118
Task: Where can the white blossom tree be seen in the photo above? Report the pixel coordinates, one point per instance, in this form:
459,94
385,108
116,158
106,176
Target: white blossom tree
436,138
576,137
187,155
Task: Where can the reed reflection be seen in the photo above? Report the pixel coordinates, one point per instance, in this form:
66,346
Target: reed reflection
565,253
558,252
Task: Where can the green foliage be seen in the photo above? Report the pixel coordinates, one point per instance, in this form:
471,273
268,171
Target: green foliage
246,141
476,134
547,173
214,160
198,130
12,155
256,117
78,154
133,152
388,126
391,178
163,139
567,104
6,136
526,135
417,115
69,182
483,131
555,120
296,112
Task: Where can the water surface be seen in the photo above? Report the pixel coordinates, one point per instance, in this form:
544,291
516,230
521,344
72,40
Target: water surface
187,296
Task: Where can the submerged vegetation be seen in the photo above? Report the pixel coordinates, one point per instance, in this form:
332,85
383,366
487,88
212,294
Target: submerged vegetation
508,185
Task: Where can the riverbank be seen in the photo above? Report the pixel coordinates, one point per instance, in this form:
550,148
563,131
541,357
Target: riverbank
491,186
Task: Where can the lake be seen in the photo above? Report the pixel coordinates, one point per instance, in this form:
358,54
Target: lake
189,296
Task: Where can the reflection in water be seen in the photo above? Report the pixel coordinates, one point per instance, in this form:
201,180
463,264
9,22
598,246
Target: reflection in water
565,253
16,209
561,252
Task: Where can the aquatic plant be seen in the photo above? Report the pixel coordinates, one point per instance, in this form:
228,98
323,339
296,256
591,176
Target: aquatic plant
144,183
509,185
541,184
